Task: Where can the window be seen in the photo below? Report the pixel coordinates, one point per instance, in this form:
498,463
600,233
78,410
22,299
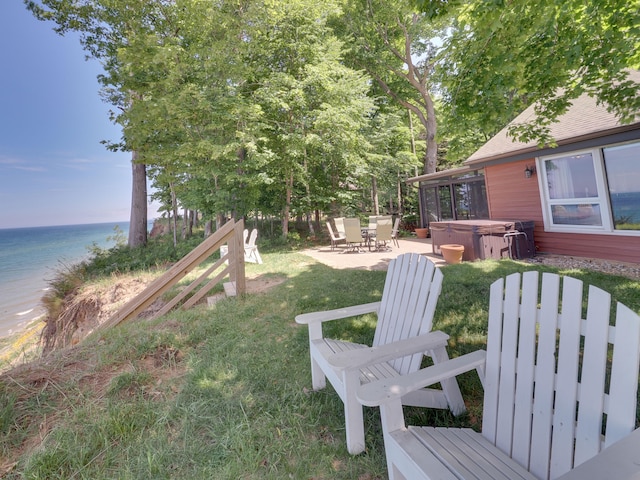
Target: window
454,197
444,200
593,191
622,164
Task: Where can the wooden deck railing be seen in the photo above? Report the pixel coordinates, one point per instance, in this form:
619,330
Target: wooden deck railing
230,234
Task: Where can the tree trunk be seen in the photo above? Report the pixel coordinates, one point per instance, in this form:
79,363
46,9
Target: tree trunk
208,228
431,155
220,221
400,203
138,216
287,207
185,223
374,196
174,210
312,229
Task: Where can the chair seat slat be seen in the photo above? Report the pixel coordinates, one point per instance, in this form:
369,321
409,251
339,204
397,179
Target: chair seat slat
469,454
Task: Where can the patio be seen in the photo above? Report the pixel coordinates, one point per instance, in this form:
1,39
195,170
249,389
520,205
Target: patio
380,260
374,260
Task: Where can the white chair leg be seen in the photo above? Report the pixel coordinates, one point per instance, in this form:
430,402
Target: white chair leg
354,425
394,474
450,386
318,378
353,416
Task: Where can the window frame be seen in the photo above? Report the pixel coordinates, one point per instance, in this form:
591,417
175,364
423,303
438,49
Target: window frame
603,198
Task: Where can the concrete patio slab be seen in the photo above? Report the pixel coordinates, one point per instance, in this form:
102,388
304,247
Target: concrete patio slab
374,260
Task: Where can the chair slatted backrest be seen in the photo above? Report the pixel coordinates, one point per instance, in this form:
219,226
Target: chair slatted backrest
334,237
339,222
396,227
352,230
383,229
408,303
550,376
252,238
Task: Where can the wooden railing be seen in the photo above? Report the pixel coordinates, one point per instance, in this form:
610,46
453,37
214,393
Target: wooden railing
233,262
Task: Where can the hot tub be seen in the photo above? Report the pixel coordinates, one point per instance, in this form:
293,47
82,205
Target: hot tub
485,238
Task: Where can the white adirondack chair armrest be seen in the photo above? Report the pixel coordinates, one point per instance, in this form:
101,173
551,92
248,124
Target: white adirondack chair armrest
362,357
338,313
377,393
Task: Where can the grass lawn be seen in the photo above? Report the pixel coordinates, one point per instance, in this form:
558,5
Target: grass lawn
223,393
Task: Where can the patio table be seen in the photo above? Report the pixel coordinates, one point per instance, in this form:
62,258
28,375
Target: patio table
368,234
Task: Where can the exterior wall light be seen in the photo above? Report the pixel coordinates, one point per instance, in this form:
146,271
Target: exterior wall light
528,171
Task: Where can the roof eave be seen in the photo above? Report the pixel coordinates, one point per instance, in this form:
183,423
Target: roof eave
519,153
443,173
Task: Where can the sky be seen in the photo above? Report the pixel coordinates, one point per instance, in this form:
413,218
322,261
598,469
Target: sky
53,168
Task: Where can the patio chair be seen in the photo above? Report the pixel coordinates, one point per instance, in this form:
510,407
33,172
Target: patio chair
335,238
394,232
383,232
251,253
353,234
339,223
553,396
404,319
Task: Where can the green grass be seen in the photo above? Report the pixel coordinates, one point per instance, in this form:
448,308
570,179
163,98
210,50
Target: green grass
224,392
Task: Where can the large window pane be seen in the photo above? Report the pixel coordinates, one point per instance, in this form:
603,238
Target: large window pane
461,194
478,203
431,200
572,190
576,214
571,177
622,164
446,209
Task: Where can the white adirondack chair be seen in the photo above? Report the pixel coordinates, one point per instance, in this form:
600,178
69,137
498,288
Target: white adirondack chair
553,399
403,334
251,253
335,238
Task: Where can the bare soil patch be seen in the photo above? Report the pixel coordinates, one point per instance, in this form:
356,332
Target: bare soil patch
611,267
94,304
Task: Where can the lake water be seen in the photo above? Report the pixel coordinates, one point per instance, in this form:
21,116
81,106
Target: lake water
30,257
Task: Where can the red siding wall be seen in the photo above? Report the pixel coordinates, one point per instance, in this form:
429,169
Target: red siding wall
511,196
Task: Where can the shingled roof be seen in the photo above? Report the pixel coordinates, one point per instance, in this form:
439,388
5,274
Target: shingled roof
585,119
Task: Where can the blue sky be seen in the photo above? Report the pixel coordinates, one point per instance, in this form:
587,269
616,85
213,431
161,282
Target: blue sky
53,168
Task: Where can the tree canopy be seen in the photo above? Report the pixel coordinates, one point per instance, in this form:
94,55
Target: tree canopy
289,108
502,56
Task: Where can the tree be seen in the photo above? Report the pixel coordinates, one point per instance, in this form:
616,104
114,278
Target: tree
312,107
503,55
190,116
398,48
106,27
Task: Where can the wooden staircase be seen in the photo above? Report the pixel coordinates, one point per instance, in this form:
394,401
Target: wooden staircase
232,263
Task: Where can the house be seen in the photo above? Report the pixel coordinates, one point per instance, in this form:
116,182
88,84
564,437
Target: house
583,195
